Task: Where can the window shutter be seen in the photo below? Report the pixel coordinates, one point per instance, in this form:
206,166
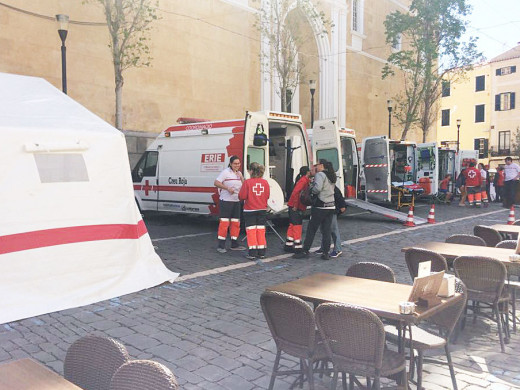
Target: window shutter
486,147
497,102
512,100
513,69
498,72
476,144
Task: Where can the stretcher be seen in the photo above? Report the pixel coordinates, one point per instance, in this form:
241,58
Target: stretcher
404,193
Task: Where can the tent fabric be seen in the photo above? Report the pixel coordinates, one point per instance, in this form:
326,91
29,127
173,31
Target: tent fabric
70,231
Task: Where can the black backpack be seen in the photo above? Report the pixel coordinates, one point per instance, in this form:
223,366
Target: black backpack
307,198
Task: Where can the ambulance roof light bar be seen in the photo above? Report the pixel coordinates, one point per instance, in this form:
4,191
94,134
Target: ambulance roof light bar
283,115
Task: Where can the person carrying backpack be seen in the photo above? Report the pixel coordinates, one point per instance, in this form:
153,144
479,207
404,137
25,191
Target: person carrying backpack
293,242
341,207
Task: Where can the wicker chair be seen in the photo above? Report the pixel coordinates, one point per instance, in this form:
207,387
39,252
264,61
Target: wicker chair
444,322
370,270
414,256
508,244
484,278
143,375
490,235
91,361
465,239
517,222
292,325
355,342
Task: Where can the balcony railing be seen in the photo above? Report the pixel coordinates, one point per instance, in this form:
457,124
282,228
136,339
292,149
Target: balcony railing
496,152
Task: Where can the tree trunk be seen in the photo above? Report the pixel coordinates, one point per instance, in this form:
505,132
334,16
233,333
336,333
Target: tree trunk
119,98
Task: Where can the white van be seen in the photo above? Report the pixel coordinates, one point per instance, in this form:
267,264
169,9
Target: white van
177,171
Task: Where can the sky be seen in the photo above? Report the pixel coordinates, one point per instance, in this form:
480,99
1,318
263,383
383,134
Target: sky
497,25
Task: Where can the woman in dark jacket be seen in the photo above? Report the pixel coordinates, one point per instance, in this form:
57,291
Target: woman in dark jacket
293,242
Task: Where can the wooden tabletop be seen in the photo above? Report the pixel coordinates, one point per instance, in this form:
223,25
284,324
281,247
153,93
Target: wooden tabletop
508,229
382,298
26,374
452,251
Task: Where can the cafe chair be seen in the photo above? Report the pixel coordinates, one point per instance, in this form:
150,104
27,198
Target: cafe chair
143,375
293,327
517,222
465,239
491,236
508,244
91,361
355,342
485,278
415,256
434,334
372,270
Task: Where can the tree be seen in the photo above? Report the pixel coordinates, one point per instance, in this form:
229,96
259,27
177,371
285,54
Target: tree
432,51
128,24
282,30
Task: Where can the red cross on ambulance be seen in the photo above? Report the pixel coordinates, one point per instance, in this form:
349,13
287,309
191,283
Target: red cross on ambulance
258,189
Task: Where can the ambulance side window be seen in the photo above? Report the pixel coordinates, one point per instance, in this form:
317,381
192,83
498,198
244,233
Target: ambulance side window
255,155
147,166
330,155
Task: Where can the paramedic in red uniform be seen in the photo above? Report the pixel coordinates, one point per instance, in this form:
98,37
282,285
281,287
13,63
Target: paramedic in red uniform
473,184
229,183
483,187
255,194
293,242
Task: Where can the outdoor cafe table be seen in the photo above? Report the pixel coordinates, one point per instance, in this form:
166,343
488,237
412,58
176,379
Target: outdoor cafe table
507,229
26,374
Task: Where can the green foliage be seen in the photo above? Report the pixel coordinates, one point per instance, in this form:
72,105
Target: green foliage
515,144
431,34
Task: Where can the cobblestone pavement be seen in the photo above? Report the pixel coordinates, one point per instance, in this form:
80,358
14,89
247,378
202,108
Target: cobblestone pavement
208,328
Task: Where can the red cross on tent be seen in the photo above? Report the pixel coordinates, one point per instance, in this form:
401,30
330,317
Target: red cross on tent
258,189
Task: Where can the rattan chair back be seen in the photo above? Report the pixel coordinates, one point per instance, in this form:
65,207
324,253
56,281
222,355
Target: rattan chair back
354,337
447,318
508,244
491,236
481,275
143,375
91,361
415,256
291,322
466,239
517,222
372,270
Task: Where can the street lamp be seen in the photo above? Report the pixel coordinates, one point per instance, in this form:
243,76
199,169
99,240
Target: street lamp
63,26
458,133
389,106
312,87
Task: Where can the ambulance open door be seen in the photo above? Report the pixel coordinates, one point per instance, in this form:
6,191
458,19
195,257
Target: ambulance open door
375,155
427,165
144,177
326,145
256,149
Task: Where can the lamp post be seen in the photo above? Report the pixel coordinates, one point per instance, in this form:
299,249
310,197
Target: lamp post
312,87
458,134
389,106
63,26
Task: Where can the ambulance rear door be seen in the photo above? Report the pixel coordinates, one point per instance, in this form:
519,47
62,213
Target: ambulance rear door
427,167
463,158
350,162
326,145
375,157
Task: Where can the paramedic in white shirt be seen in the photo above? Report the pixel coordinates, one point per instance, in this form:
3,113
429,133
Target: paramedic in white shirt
512,172
229,183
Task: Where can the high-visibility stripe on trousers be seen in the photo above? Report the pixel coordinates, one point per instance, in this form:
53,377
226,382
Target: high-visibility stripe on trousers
483,194
252,241
223,228
234,229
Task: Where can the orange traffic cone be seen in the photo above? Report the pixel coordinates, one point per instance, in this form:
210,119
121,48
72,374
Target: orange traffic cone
511,218
431,214
409,219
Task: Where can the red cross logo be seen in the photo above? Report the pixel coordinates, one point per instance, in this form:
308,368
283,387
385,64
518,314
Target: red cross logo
472,174
147,187
258,189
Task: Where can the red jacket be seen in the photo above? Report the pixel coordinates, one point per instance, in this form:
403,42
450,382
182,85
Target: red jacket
473,177
294,200
255,192
501,178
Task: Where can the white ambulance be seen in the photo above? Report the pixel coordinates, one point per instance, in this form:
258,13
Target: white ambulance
177,172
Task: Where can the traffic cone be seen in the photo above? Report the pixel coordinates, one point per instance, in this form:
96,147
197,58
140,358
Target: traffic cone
409,219
431,214
511,218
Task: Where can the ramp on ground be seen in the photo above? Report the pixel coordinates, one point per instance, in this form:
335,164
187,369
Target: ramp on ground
385,212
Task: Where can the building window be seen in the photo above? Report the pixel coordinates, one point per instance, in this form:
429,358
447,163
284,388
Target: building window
504,142
357,16
445,88
481,144
480,83
445,120
506,70
479,113
505,101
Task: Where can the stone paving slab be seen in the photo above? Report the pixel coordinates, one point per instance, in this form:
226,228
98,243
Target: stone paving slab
210,331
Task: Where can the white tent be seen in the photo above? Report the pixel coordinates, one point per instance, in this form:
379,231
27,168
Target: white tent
70,231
